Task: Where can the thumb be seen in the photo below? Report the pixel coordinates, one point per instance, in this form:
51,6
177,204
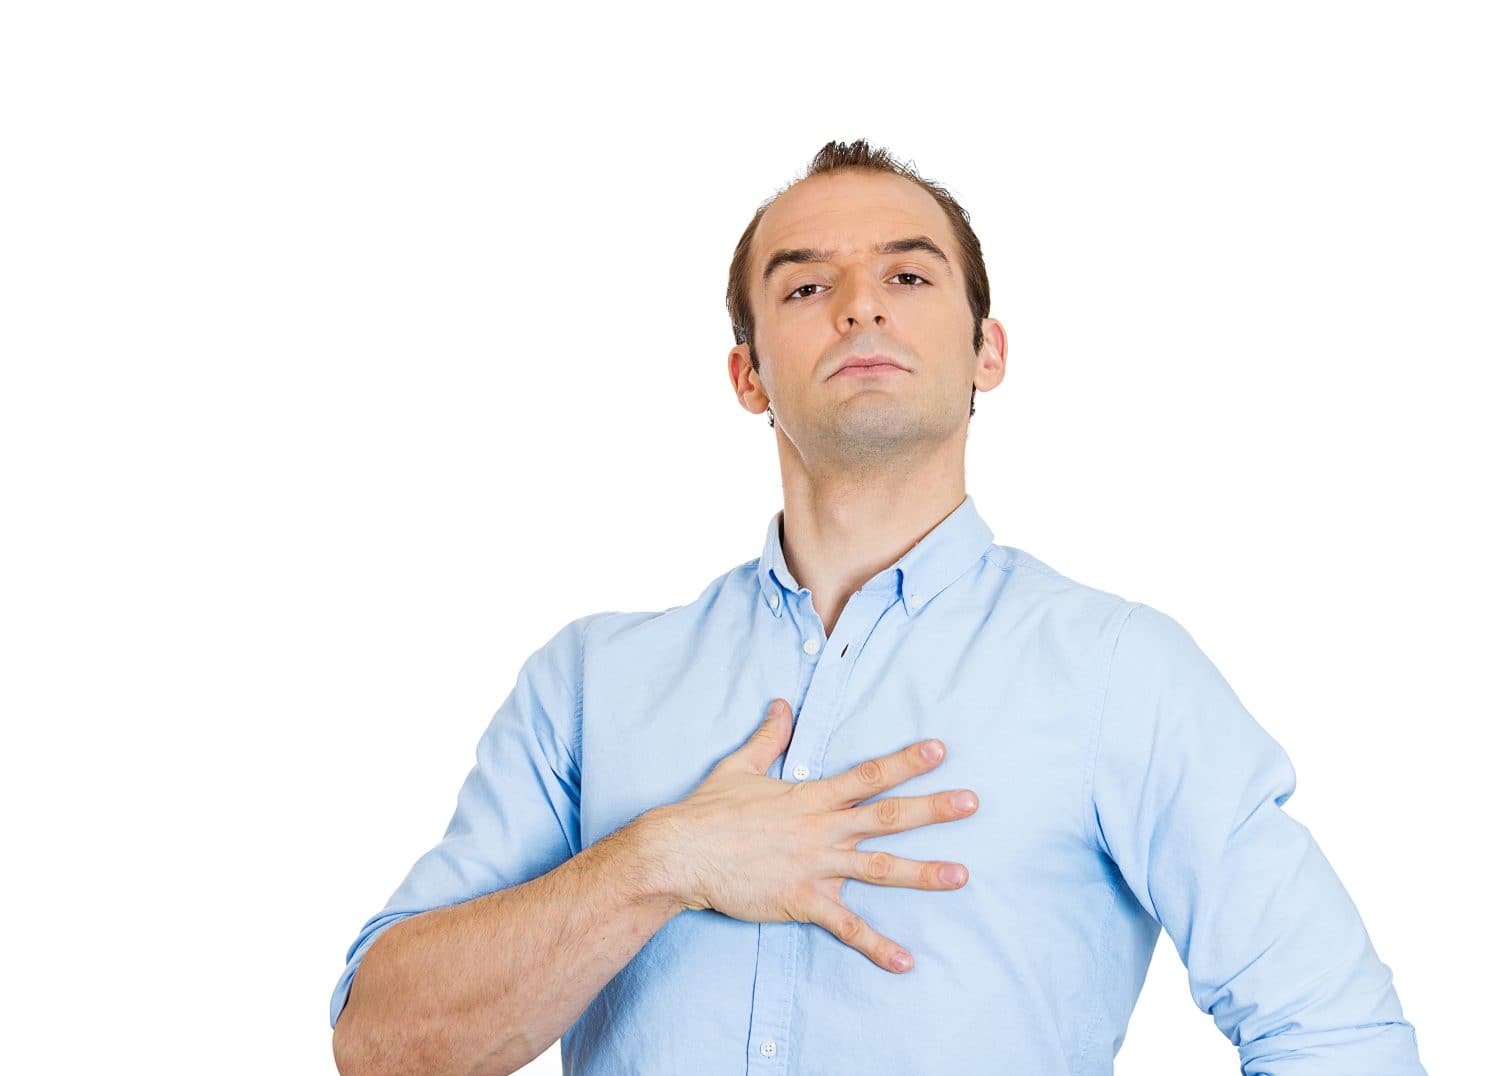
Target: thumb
768,741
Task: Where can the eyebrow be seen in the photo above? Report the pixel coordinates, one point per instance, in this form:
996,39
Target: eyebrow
804,255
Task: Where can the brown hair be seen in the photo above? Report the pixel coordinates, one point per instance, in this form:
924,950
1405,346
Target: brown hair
843,157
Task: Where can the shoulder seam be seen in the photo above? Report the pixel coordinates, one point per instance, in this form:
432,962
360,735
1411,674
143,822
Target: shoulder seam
1093,759
1031,564
575,738
996,556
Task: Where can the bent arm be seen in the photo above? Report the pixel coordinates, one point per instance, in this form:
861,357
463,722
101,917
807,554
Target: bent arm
487,985
1187,794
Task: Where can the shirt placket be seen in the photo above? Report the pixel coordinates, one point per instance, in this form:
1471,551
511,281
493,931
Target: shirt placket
825,667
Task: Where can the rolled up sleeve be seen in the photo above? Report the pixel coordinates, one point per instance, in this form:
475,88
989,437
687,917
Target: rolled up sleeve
517,812
1188,793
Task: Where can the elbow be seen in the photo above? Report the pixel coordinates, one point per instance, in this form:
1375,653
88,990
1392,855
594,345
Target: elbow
360,1049
345,1058
354,1050
349,1053
354,1056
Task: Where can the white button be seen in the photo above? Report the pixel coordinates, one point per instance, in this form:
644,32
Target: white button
775,599
810,647
768,1048
801,772
914,599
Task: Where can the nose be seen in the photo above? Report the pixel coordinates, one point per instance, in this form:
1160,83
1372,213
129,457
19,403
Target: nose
862,304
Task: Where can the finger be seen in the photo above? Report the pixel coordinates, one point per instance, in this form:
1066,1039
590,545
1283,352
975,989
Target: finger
882,868
768,741
895,813
857,934
878,774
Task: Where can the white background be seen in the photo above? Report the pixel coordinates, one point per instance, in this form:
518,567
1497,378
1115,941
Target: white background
350,350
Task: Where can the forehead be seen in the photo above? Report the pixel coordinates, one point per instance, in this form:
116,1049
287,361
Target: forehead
848,212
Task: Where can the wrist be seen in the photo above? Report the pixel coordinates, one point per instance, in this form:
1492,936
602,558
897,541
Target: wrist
652,876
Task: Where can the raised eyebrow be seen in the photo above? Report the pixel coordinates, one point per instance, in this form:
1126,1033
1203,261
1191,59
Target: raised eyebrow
805,255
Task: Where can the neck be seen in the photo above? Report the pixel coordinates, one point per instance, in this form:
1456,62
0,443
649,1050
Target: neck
838,532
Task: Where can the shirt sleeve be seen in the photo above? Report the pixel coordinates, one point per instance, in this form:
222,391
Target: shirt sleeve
1187,795
517,812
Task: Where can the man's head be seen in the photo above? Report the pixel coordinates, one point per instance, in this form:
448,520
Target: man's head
862,257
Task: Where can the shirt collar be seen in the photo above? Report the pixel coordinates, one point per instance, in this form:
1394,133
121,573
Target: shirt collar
943,554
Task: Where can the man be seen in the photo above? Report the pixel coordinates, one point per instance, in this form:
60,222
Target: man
708,840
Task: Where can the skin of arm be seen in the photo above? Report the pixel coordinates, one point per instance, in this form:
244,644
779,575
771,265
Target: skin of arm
487,985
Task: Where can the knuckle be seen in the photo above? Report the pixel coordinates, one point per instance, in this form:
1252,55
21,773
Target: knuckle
880,865
888,811
846,926
929,877
871,771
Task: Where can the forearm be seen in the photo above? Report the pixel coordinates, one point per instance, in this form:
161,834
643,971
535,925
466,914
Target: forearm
487,985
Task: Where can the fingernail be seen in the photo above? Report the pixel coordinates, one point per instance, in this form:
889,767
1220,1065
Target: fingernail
932,750
901,961
965,801
952,873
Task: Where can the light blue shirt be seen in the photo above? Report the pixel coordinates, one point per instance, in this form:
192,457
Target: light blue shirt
1123,788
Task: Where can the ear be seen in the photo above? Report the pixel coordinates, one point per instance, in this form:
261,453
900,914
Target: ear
747,385
989,363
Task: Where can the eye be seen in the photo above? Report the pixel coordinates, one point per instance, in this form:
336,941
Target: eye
794,297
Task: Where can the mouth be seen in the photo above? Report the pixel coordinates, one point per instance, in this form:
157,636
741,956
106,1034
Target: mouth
870,366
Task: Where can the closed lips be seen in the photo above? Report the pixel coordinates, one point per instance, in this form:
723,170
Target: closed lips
877,362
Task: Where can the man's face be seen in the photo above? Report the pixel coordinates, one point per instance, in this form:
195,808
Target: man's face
851,300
